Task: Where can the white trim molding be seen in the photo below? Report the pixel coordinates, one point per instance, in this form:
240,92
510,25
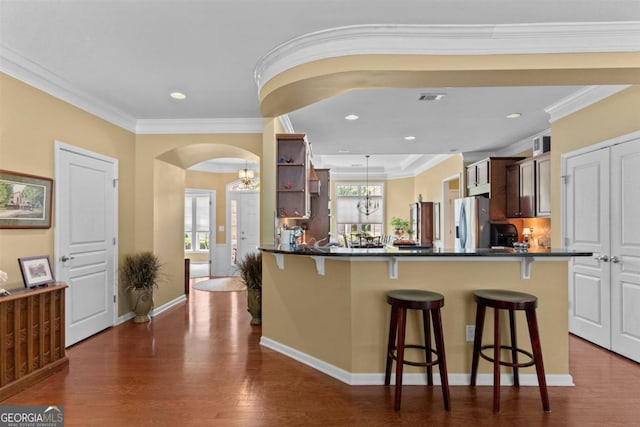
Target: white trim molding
34,75
564,380
576,37
581,99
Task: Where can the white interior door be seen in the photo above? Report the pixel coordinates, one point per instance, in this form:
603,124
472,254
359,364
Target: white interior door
587,228
248,222
85,240
625,249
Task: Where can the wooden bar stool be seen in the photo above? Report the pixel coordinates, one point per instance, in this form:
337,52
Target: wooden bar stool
499,299
402,300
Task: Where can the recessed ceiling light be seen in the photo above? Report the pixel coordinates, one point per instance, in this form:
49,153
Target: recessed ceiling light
178,95
513,115
343,151
351,117
409,138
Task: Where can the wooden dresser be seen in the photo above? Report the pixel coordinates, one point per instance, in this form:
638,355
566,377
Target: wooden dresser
32,342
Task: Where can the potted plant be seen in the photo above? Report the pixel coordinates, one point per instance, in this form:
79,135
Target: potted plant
251,273
400,225
139,275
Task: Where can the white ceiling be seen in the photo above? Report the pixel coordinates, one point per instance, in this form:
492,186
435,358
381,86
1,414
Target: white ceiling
126,56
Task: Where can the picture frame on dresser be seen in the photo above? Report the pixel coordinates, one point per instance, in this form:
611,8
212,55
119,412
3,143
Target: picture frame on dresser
36,271
25,200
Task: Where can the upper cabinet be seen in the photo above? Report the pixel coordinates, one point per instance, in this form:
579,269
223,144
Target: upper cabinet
543,185
292,172
529,188
488,176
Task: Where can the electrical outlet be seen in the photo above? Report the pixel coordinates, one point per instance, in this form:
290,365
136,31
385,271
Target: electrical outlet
471,332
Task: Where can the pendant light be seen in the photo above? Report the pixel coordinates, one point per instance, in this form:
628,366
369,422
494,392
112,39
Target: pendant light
367,205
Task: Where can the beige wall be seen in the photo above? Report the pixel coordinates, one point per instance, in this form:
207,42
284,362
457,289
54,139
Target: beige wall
169,238
154,154
213,182
398,195
342,317
611,117
30,122
429,183
151,175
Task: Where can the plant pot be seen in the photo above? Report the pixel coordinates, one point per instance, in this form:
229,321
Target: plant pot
254,305
141,303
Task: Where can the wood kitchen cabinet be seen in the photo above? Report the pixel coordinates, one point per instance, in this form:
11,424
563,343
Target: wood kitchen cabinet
543,185
488,176
421,220
292,176
529,188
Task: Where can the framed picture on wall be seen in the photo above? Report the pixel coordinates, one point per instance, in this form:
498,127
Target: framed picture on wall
36,271
25,200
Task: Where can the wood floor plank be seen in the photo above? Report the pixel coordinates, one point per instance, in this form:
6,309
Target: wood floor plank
200,364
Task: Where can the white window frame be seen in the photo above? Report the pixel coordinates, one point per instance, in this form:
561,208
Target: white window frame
195,247
359,224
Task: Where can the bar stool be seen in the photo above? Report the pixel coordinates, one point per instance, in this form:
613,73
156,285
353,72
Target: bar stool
401,300
499,299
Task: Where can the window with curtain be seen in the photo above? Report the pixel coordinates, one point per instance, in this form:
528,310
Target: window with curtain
348,218
196,223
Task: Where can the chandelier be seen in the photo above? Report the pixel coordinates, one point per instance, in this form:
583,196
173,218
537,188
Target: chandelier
367,205
246,176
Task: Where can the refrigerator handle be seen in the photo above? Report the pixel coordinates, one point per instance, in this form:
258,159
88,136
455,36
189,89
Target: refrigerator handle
463,225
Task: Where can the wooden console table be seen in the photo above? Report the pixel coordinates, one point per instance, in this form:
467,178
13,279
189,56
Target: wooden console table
32,342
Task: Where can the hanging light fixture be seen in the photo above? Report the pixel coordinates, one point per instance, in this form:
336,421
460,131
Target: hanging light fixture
367,205
246,176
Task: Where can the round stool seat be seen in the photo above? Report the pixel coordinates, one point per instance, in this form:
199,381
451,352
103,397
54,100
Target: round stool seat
415,299
505,299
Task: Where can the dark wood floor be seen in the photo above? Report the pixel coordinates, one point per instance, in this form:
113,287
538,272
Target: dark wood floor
200,364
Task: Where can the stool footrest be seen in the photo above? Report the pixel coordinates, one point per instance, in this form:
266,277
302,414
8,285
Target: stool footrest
531,362
392,354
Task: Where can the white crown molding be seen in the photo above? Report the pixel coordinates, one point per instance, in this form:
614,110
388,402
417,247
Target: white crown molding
581,99
449,40
520,146
410,167
286,123
34,75
198,126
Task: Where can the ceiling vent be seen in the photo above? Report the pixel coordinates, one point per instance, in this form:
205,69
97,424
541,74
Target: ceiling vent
431,96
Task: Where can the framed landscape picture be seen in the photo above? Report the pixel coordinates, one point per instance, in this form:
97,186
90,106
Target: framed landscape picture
25,200
36,271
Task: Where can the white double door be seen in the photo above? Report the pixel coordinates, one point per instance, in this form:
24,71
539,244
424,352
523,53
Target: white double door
602,208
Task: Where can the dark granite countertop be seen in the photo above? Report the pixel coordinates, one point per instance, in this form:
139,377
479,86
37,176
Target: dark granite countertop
412,251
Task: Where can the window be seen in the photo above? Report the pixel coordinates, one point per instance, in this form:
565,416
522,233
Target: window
196,222
349,219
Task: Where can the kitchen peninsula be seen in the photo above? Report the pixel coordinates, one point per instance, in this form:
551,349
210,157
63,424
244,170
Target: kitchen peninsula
327,307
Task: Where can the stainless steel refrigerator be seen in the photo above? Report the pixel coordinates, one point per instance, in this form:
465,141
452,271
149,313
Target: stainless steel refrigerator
472,222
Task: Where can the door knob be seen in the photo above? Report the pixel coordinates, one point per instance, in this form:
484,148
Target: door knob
615,259
65,258
603,258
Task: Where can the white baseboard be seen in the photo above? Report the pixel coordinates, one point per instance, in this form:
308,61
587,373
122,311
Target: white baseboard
554,380
157,310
